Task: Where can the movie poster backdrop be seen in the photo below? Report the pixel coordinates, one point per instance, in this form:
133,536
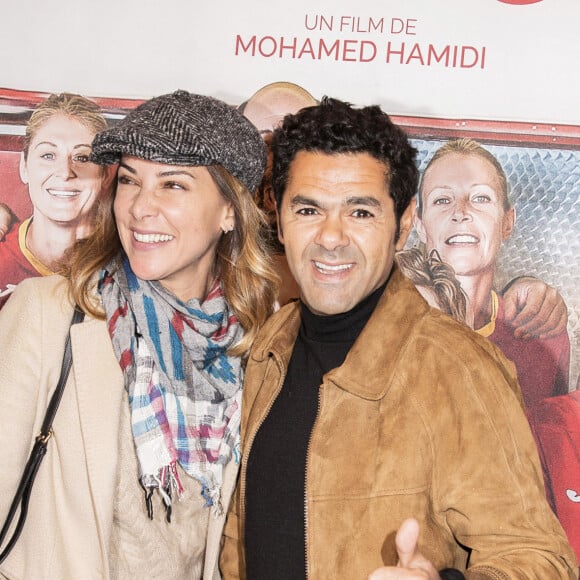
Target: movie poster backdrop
503,72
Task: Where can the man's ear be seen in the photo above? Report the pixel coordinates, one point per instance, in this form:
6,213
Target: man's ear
23,169
279,225
508,223
406,225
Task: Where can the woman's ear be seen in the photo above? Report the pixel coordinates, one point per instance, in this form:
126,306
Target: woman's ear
420,228
508,223
406,225
229,220
23,169
109,175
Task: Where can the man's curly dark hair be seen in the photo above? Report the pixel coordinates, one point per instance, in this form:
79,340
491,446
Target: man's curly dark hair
334,126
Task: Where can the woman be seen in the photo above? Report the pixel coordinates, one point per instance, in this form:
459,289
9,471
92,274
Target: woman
63,186
175,288
464,213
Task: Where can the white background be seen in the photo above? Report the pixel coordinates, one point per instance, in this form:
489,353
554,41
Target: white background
142,48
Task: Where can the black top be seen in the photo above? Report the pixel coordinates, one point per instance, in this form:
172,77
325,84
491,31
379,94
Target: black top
275,477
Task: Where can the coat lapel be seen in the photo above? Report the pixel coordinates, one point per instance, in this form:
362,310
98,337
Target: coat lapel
99,388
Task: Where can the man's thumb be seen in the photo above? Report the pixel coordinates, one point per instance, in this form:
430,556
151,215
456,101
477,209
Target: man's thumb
406,541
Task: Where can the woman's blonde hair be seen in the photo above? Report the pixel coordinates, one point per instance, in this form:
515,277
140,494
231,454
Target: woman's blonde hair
243,260
433,273
78,107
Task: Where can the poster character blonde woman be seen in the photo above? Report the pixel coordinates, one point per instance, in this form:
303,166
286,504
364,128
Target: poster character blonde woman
64,187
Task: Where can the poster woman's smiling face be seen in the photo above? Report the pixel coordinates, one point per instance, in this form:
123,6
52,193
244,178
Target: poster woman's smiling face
463,215
62,182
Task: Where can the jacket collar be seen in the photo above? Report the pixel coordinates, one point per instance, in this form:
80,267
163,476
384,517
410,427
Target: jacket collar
370,364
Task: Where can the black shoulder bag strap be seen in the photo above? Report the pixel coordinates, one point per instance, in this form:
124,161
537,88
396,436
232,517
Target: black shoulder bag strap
22,496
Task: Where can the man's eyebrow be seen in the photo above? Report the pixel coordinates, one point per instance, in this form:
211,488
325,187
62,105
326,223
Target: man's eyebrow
367,200
304,200
363,200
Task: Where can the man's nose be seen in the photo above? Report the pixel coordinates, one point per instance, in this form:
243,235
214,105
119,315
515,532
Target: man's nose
332,233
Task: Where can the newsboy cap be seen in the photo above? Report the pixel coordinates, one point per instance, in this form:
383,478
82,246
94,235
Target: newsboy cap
182,128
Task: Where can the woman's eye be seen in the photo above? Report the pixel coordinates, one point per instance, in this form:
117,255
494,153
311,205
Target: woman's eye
441,201
47,156
174,185
81,158
482,198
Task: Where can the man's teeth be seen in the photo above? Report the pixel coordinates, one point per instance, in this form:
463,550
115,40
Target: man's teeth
62,193
463,239
152,238
328,268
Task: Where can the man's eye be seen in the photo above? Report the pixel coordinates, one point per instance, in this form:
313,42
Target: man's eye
81,158
307,211
124,180
362,213
482,198
441,201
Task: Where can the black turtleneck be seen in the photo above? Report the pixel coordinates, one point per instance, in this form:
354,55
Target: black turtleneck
276,472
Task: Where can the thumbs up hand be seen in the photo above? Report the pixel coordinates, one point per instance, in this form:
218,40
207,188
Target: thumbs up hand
412,565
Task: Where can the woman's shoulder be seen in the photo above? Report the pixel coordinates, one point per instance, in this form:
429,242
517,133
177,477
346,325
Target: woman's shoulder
41,294
53,283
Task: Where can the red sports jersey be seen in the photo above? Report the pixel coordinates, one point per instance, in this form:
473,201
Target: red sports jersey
543,365
16,262
555,424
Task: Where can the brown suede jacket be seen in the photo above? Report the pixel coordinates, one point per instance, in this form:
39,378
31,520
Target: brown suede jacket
424,420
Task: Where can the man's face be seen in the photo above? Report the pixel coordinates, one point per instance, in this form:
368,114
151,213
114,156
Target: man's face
338,226
463,215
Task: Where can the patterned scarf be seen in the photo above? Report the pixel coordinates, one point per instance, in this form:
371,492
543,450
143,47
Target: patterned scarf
184,390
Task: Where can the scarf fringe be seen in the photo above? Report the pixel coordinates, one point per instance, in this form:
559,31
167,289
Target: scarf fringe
167,483
213,499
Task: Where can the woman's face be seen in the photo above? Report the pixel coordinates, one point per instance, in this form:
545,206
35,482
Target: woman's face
62,182
170,219
463,214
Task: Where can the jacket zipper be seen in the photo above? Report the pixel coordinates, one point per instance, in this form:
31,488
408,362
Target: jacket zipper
320,389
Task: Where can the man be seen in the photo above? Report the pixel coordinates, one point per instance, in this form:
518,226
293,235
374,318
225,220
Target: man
532,308
464,213
363,406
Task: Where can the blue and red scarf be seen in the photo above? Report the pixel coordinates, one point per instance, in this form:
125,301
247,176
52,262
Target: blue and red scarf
184,389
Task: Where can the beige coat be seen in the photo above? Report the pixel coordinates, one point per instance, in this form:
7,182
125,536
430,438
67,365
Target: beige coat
67,533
